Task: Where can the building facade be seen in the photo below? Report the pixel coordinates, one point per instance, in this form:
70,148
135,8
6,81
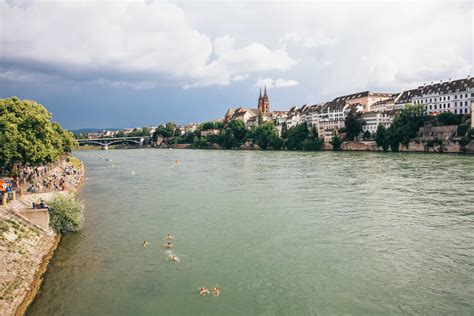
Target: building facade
450,96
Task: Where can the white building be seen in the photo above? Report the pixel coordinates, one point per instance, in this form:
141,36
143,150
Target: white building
375,118
450,96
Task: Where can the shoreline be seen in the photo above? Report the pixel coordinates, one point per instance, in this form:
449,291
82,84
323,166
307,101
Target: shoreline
35,285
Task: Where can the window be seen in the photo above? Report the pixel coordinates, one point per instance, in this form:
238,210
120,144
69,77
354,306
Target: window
435,99
465,103
455,97
455,104
472,94
465,95
448,97
455,111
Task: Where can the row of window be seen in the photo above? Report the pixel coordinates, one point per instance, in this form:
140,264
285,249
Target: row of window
445,105
444,98
456,111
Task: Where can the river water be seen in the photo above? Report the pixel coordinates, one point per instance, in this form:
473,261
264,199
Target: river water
285,233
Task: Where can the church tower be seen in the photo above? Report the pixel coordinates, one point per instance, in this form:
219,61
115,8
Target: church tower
263,102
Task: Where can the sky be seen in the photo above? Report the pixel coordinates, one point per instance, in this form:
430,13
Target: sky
117,64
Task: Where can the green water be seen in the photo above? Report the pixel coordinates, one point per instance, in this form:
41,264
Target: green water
281,233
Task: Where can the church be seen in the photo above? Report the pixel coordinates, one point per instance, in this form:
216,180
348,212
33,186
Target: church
244,114
263,102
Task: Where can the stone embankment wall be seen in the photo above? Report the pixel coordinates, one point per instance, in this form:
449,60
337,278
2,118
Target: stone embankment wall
25,250
445,147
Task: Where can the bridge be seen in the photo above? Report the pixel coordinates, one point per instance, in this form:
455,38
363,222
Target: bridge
105,142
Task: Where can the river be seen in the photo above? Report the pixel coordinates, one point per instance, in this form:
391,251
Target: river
287,233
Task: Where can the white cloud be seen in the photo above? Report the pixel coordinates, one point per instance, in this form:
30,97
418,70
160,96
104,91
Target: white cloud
127,41
278,83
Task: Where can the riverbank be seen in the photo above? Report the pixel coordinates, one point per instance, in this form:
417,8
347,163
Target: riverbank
371,146
27,245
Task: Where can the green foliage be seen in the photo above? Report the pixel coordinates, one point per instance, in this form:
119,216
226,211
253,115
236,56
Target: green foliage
367,135
139,132
463,129
266,136
404,128
211,125
296,136
448,118
233,134
27,134
67,214
120,134
313,144
336,142
381,137
166,130
353,124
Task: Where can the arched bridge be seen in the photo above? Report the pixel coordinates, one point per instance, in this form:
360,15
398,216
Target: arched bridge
105,142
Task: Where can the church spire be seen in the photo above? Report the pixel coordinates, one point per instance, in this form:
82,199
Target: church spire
265,94
260,93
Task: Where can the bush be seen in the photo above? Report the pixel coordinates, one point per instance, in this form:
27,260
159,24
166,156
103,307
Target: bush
463,129
336,143
313,145
66,214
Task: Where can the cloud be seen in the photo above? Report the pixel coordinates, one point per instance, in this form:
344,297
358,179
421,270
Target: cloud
278,83
126,42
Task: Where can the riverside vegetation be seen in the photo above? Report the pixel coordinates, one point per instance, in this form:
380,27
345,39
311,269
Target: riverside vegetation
30,142
234,135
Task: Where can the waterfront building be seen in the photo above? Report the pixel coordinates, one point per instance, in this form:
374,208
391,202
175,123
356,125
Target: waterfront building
293,117
374,118
365,98
472,113
453,96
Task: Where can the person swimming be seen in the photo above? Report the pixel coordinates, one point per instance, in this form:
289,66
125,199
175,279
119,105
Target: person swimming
169,237
168,245
216,291
203,291
174,258
146,243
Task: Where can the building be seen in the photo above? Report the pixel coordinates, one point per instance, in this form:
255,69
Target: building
365,98
453,96
263,102
405,98
374,118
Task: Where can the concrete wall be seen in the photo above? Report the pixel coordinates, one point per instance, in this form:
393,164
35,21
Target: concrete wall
39,217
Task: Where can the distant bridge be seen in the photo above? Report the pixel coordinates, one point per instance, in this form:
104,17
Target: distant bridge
105,142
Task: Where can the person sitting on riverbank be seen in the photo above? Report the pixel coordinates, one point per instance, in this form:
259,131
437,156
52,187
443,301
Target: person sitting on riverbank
203,291
168,245
216,291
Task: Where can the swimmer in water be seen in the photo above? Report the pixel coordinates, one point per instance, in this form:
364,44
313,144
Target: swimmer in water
178,162
216,291
146,243
168,245
203,291
174,258
169,237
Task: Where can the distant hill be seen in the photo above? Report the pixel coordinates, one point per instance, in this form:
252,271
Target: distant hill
92,130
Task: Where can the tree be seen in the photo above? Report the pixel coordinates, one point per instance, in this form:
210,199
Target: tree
120,134
260,118
448,118
354,123
296,136
266,135
381,137
405,125
28,136
336,142
367,135
233,135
